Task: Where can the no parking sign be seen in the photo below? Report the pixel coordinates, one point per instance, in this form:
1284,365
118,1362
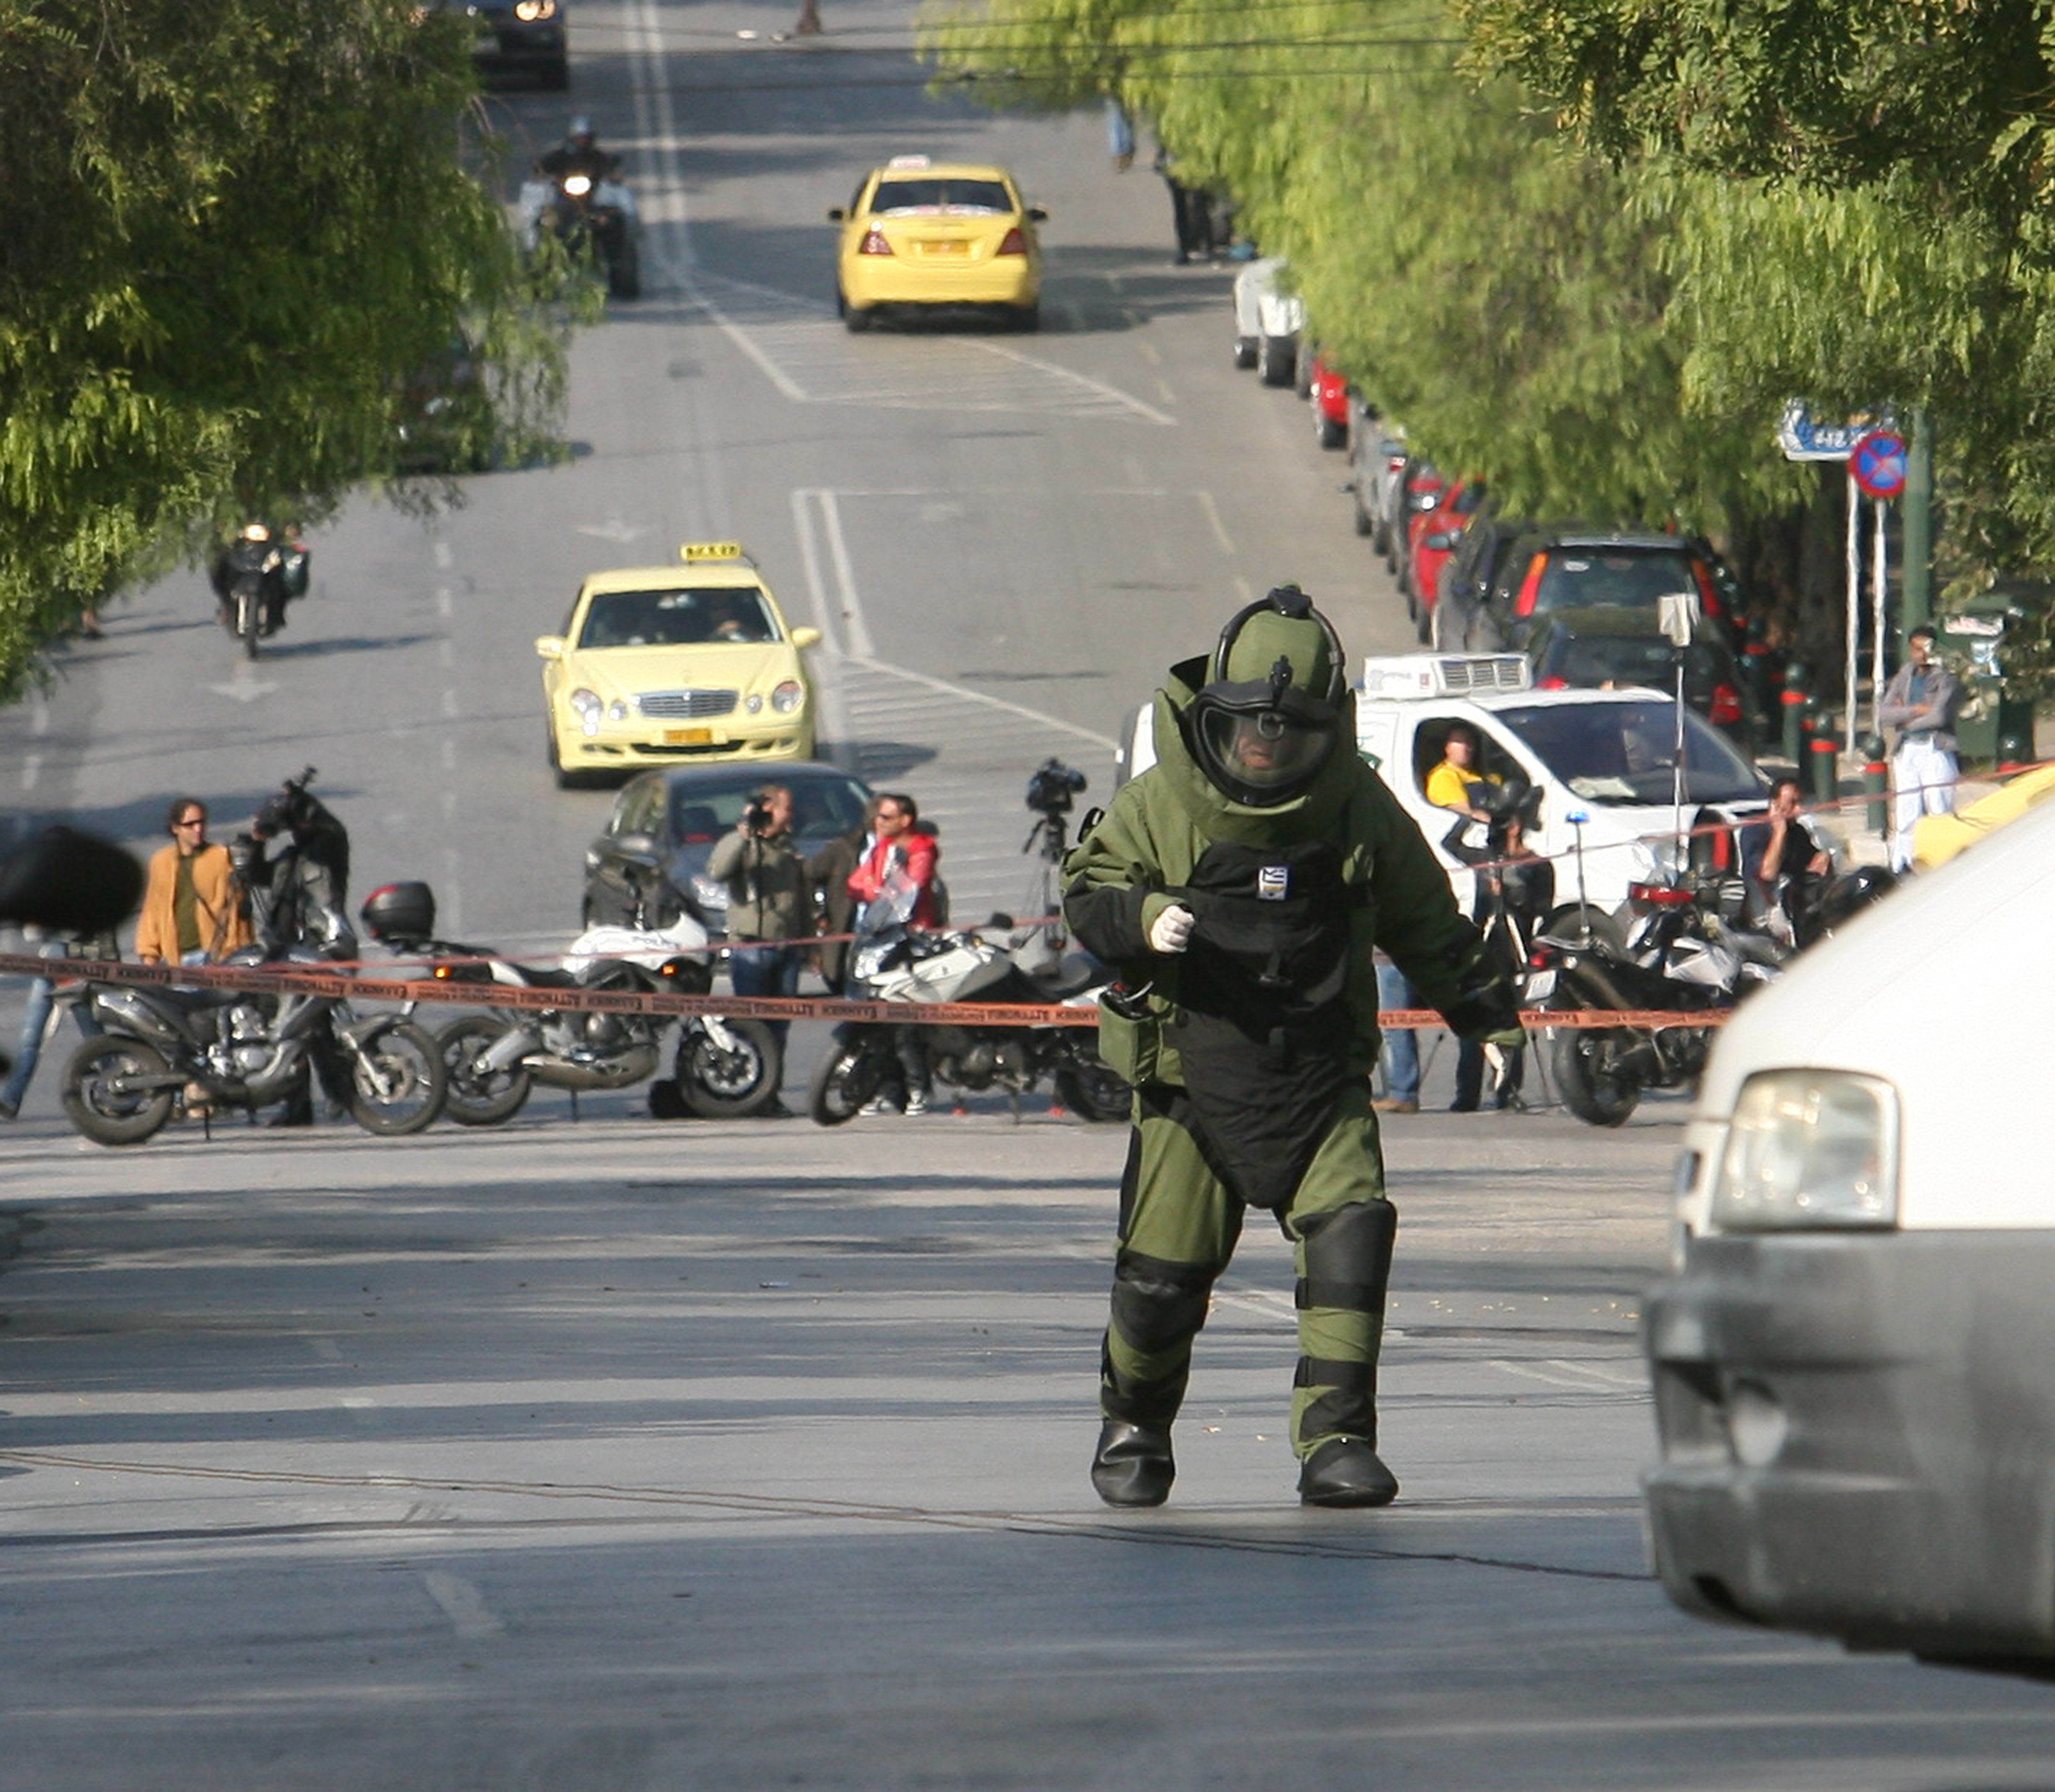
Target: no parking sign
1877,464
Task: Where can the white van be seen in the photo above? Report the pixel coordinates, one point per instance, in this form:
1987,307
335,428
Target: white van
1854,1362
1602,761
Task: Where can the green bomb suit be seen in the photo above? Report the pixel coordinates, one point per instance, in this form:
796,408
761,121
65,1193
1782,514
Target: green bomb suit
1252,1066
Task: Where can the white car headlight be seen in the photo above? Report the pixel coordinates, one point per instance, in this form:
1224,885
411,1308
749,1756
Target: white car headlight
1808,1149
788,697
589,708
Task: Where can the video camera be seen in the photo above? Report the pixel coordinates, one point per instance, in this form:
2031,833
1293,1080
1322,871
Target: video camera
756,814
1053,787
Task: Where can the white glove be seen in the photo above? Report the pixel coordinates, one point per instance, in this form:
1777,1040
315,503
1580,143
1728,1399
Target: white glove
1171,932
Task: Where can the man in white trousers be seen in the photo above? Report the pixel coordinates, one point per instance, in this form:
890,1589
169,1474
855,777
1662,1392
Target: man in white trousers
1920,702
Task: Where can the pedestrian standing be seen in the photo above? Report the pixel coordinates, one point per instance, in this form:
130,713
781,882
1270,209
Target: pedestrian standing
769,900
1240,887
1920,702
193,905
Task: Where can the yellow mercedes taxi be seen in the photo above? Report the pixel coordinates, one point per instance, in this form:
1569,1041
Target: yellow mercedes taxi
665,665
938,236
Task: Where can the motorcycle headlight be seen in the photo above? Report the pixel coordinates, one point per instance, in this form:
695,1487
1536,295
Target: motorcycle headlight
1808,1149
788,697
588,706
577,185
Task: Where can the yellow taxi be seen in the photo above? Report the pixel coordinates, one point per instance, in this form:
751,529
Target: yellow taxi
664,666
921,233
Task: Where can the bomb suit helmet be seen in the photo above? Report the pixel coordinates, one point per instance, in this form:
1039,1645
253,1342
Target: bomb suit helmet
1274,706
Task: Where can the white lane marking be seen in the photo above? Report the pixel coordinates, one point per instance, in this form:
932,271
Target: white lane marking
967,695
39,717
1112,392
1559,1373
32,769
1213,516
444,559
444,603
462,1604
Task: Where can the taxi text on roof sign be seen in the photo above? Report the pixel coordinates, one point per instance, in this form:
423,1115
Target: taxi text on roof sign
910,162
691,552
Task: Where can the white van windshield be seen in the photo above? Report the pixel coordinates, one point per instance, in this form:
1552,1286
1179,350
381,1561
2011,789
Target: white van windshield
1622,753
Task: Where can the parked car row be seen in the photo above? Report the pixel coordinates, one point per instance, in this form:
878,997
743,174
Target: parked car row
1582,604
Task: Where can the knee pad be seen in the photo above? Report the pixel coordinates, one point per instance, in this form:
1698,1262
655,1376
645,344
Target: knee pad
1348,1257
1157,1305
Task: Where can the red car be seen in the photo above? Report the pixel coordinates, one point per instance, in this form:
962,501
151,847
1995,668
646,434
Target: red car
1329,393
1431,535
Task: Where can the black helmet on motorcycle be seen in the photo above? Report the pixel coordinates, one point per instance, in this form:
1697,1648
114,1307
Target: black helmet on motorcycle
581,133
1273,707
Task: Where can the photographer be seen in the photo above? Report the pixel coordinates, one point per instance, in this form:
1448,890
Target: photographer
769,898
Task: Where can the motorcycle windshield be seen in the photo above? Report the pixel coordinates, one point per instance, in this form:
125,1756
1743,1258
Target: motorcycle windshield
893,906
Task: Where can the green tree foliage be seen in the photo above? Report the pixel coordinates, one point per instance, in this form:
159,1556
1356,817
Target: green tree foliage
229,229
1479,278
1864,191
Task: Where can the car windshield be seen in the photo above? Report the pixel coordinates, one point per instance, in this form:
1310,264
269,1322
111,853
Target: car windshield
686,616
1595,662
1623,753
821,807
1628,577
931,195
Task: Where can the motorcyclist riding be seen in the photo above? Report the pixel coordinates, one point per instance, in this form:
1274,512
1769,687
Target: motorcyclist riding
1239,885
579,153
278,560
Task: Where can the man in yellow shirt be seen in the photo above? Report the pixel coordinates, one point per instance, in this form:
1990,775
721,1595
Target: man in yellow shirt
1450,784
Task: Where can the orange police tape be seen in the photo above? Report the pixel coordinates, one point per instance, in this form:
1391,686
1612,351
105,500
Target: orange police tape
261,981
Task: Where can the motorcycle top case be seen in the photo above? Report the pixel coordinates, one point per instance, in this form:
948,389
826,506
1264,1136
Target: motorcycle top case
400,911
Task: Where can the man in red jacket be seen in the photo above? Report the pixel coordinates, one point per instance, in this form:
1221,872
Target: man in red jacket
902,846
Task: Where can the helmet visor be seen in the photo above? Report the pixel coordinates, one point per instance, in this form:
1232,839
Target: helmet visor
1260,754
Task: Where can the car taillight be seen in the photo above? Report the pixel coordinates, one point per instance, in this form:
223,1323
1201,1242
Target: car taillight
1530,587
1551,683
1725,706
874,243
1659,895
1015,242
1708,596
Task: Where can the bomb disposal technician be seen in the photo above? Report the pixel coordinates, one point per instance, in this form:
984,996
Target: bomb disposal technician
1239,885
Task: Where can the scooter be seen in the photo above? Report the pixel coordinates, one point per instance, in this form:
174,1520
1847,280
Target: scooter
891,961
723,1069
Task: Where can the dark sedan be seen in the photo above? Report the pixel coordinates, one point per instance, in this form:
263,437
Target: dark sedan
651,862
519,38
1606,648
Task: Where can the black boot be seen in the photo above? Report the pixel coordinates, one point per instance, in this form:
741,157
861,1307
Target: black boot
1132,1464
1345,1471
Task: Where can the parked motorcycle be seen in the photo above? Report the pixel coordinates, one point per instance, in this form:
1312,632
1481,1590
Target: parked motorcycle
1668,949
593,216
722,1069
891,961
167,1051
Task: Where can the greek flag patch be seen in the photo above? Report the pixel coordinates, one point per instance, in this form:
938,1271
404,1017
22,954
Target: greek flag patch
1273,883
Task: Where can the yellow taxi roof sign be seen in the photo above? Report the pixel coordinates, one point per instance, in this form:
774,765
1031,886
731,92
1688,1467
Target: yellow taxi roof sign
691,552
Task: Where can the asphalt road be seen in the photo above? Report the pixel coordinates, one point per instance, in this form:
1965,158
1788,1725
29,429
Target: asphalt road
609,1454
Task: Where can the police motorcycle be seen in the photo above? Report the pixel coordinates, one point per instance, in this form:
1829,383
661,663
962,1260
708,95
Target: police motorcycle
255,577
575,198
892,961
723,1069
193,1050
